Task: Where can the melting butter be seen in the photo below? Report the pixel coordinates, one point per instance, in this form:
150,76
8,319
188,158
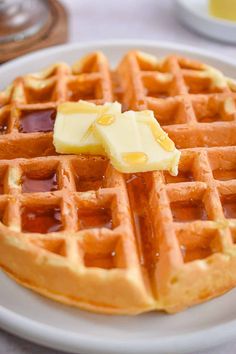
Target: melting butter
73,130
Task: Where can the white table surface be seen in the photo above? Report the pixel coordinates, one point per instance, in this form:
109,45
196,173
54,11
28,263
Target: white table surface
107,19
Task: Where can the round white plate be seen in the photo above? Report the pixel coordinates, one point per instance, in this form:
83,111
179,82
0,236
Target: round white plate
195,15
43,321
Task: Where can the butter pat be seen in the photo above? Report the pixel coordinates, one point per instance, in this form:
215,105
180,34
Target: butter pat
73,130
135,142
225,9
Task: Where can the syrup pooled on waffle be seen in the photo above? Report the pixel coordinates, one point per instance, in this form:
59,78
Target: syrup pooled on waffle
76,230
28,105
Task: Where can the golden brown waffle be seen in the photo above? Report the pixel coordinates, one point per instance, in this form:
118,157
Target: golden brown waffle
68,233
29,104
183,94
78,231
193,215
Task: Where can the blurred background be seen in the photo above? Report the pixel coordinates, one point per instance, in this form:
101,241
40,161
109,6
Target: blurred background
141,19
89,20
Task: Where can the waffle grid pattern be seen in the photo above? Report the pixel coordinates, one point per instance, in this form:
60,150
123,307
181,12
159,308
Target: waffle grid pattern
183,94
193,214
36,96
78,218
135,242
75,207
199,207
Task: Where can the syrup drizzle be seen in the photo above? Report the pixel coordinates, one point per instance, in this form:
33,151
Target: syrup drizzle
1,187
2,177
37,121
96,218
147,248
41,219
34,185
188,211
88,183
183,176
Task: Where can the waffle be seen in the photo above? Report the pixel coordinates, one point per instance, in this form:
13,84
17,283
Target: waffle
78,231
28,105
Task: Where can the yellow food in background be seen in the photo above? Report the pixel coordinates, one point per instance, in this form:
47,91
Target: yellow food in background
225,9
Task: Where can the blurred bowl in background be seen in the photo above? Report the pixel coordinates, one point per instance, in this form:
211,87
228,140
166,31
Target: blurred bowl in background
195,15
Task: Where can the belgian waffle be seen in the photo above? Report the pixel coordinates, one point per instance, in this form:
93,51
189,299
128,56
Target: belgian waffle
78,231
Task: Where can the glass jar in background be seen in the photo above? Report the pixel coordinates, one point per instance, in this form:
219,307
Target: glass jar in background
22,19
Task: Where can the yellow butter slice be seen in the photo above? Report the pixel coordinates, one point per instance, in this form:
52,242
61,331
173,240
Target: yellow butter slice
135,142
73,130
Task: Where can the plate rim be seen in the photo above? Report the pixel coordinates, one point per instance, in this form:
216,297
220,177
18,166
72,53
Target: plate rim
209,54
70,341
59,339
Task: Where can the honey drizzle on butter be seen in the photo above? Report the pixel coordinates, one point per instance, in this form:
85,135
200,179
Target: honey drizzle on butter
103,119
135,157
106,119
162,138
88,132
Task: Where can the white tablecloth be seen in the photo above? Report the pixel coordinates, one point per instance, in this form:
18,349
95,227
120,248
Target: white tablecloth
142,19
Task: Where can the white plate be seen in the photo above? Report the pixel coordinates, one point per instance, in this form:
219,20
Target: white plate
38,319
195,15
